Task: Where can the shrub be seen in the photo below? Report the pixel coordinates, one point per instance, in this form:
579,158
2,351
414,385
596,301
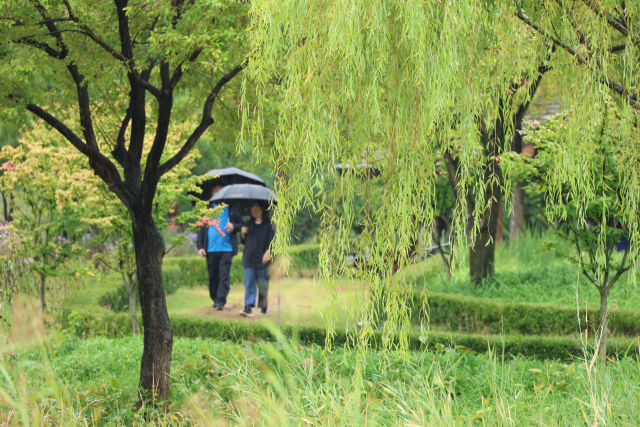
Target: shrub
104,323
117,300
483,315
171,278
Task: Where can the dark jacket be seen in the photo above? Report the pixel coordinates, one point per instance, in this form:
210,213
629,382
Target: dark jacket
256,243
202,242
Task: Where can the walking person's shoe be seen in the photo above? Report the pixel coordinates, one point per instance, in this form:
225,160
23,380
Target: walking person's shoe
264,311
246,312
219,307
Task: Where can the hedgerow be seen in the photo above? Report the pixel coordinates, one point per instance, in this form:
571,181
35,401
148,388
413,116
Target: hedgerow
103,322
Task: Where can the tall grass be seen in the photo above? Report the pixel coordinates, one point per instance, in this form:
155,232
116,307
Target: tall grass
63,381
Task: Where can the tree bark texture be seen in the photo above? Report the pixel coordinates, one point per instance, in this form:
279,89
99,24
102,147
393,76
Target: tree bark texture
158,335
516,222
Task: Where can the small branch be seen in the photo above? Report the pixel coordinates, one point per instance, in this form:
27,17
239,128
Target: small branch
101,165
630,97
119,151
117,55
622,269
618,48
42,46
178,73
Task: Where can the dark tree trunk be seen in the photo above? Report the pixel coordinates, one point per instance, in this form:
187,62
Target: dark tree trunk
516,222
7,204
482,252
158,334
41,291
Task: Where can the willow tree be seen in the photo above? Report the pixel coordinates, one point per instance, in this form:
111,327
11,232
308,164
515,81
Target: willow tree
380,75
129,62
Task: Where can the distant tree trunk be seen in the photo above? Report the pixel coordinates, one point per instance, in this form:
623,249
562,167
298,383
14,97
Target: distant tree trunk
132,288
500,226
516,222
482,252
132,310
604,302
7,204
155,366
41,290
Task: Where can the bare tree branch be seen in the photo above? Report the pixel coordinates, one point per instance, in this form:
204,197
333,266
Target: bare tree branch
119,151
206,121
101,165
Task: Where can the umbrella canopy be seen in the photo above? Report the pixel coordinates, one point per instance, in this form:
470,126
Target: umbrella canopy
228,176
243,196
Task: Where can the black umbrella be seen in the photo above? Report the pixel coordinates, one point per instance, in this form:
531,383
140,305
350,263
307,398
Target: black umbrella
243,196
227,176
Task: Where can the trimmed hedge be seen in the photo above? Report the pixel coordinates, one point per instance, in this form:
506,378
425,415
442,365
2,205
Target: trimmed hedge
105,323
483,315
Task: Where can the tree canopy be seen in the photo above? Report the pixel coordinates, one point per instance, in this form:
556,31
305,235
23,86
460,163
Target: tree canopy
391,83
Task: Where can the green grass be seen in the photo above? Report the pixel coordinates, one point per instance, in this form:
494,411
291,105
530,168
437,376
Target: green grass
525,273
253,384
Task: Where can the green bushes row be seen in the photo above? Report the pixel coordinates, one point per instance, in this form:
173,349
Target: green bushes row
105,323
483,315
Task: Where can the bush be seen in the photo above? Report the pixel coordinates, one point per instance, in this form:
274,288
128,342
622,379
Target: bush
117,300
171,278
483,315
104,323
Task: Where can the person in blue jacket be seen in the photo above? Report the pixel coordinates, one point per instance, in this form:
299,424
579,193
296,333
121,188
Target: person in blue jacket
219,245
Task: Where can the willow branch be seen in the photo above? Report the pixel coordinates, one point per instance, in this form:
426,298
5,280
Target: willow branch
630,97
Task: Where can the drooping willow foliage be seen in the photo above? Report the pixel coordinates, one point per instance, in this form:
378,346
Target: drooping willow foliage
397,83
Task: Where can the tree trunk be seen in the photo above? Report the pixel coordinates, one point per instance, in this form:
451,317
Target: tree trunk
482,252
482,257
499,227
7,204
41,289
158,335
516,223
602,344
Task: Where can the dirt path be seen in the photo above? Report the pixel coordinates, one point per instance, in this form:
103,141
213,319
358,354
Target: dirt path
298,303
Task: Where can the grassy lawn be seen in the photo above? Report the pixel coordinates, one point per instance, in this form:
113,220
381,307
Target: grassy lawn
526,273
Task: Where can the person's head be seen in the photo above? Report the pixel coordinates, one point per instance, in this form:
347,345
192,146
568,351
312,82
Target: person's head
216,189
259,212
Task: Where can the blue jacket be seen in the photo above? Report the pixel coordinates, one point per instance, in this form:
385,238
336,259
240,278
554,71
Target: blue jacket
202,241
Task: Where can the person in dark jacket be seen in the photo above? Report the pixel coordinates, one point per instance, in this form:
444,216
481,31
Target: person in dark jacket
257,236
220,245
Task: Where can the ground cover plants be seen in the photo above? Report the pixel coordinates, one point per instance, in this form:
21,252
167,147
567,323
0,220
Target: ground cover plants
215,383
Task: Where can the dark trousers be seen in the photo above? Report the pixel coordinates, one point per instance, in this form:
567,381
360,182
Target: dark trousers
219,264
